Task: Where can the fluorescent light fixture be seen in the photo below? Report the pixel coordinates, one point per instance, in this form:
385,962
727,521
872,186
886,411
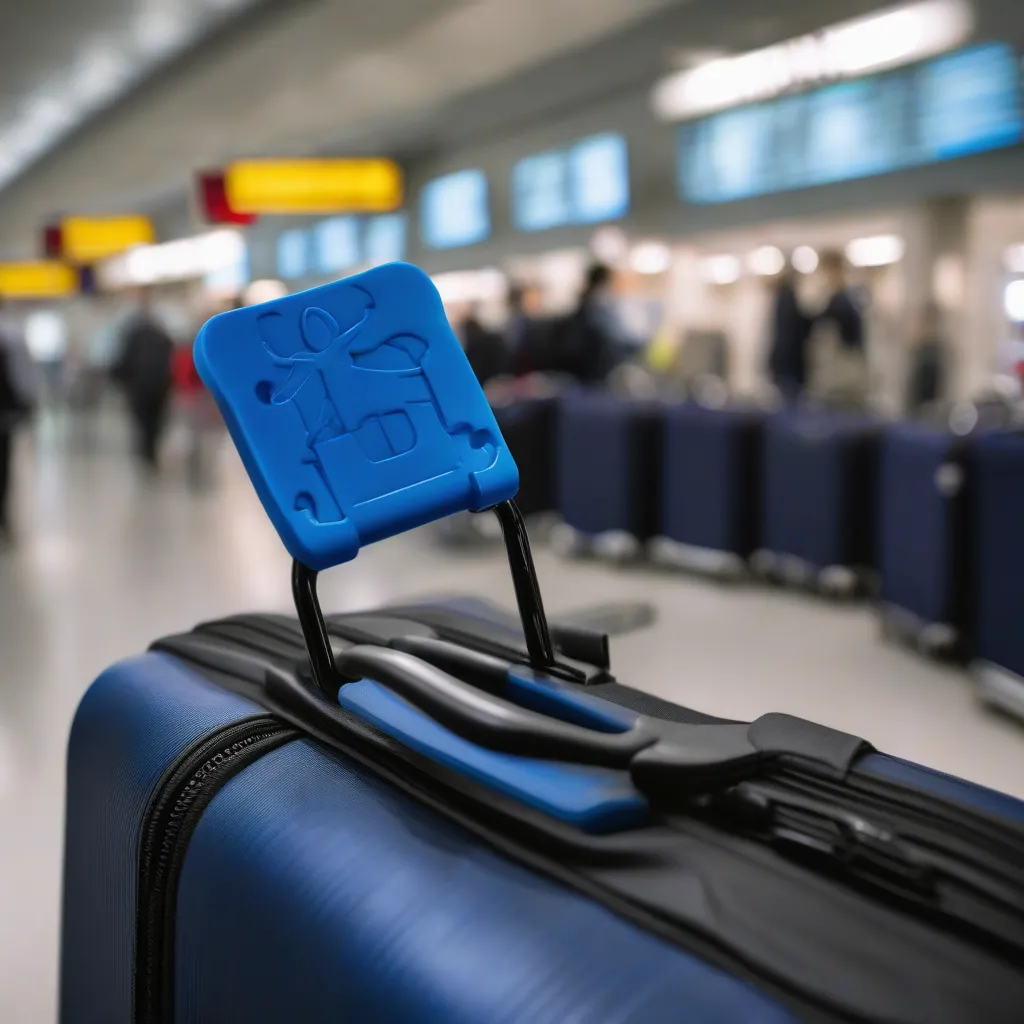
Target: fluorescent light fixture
722,269
804,259
609,245
767,261
180,260
1013,301
650,258
83,82
1013,259
884,39
264,290
875,251
459,286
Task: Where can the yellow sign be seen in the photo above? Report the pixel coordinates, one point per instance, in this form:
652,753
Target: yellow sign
314,186
39,279
88,239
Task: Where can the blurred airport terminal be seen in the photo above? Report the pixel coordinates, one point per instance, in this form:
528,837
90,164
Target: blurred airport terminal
719,267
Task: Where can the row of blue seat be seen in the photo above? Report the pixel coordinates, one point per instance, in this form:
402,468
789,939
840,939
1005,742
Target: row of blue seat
937,519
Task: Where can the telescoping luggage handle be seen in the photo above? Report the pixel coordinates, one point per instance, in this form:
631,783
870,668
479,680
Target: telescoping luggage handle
357,416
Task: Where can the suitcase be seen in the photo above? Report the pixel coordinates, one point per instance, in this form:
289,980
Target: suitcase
241,848
998,586
924,538
528,426
609,466
425,814
710,480
819,489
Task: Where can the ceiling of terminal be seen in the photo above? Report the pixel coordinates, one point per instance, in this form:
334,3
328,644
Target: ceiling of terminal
292,76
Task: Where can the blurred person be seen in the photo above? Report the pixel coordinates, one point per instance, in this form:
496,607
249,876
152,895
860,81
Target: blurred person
926,381
143,369
522,330
843,317
199,411
485,349
590,343
18,392
790,334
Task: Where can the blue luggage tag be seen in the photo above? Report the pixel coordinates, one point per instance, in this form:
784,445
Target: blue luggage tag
355,412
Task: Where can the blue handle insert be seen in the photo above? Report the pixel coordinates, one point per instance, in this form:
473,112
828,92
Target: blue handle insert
355,412
596,800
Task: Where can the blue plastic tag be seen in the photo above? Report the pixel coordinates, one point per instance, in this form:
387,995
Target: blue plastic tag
355,412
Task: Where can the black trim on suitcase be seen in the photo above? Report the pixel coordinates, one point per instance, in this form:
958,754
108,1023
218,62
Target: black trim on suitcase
184,791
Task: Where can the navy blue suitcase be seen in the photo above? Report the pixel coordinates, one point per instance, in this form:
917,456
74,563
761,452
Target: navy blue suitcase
238,848
710,487
528,426
609,467
997,533
819,498
924,539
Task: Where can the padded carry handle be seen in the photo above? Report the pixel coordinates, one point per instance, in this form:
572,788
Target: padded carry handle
488,720
669,761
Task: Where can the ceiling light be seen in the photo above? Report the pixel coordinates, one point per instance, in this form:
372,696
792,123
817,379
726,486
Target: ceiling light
1013,301
767,261
650,258
720,269
1013,259
98,74
804,260
849,49
609,244
875,251
159,31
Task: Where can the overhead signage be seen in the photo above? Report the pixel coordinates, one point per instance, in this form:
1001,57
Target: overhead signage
850,49
87,240
313,186
965,102
37,279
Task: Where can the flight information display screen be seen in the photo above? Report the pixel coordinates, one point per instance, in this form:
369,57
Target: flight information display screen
584,184
455,211
292,254
336,244
384,240
966,102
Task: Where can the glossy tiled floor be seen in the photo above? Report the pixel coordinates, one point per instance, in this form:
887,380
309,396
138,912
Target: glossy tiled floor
107,560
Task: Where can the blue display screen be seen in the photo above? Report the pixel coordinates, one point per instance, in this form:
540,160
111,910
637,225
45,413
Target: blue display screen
293,254
586,183
384,240
336,244
963,103
454,210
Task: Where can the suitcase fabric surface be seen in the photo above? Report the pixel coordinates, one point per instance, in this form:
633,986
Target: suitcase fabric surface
316,884
609,464
923,535
819,489
710,478
998,544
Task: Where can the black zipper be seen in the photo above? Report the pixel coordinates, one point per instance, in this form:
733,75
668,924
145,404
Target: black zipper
184,791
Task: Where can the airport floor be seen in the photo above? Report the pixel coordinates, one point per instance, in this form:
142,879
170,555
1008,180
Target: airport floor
107,559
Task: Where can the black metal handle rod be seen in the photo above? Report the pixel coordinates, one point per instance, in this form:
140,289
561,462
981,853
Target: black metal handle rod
526,584
314,629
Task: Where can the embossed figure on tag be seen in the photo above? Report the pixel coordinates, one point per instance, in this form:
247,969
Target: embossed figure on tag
386,425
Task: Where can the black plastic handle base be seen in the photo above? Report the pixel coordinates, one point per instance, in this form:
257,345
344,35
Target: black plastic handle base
524,580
